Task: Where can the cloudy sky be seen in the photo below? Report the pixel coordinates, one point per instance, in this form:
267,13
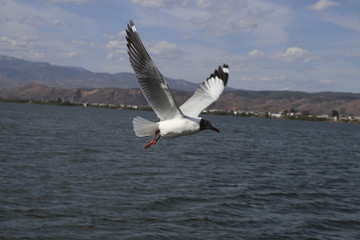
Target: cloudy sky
307,45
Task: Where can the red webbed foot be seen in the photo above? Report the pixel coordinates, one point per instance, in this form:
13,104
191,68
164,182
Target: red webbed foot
153,141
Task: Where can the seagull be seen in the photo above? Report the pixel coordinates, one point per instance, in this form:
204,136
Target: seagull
174,121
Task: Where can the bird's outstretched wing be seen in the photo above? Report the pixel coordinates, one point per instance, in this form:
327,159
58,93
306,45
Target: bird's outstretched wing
208,92
151,81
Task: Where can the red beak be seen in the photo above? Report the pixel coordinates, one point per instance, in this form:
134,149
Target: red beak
215,129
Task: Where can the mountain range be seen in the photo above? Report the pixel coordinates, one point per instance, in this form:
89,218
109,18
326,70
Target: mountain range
15,72
43,81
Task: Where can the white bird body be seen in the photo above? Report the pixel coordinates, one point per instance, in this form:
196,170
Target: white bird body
180,126
172,128
174,121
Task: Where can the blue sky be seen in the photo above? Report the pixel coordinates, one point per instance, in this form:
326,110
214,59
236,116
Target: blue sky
301,45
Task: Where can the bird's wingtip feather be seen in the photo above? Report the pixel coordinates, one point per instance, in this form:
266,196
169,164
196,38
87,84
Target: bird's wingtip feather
222,73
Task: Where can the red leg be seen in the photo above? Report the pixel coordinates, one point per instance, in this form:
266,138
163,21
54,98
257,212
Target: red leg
156,140
153,141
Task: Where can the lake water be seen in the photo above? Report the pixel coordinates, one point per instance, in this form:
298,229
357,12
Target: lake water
81,173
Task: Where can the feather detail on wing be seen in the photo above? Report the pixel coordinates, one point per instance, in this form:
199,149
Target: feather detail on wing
151,81
208,92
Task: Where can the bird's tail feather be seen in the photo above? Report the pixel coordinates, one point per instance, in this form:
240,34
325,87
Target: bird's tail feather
143,127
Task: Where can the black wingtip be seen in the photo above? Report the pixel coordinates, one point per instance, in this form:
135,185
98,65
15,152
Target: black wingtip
130,27
131,23
134,44
222,73
225,73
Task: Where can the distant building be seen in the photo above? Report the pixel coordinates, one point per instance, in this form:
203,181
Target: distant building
275,115
324,116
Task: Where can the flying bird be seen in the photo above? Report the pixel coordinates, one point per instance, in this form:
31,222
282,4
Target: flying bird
174,121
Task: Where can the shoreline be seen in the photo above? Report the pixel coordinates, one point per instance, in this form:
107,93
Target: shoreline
249,114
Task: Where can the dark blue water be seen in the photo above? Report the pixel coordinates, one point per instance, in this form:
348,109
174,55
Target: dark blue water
81,173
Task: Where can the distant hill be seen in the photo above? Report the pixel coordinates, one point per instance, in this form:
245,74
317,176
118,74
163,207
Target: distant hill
276,101
15,72
43,81
260,101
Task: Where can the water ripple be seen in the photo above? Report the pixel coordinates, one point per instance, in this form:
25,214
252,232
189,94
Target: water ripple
80,173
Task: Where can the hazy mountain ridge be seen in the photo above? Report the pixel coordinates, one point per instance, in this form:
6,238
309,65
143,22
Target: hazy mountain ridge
264,101
276,101
39,91
15,72
43,81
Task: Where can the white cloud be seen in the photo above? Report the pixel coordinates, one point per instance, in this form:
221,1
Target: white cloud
9,42
56,22
119,35
246,79
36,32
35,54
275,78
23,46
265,79
323,4
67,54
110,56
256,54
160,3
115,44
68,1
22,41
349,22
296,54
79,43
33,20
149,3
117,53
162,47
249,35
265,20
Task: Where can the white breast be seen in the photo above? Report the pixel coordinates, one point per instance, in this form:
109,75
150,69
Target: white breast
178,127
